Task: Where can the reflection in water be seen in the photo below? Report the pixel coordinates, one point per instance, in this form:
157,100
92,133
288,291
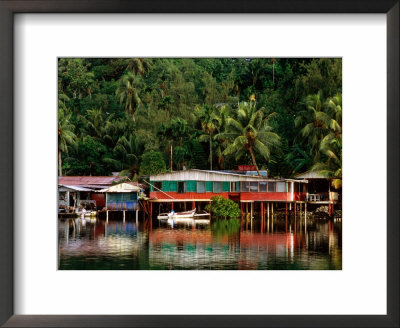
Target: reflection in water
274,244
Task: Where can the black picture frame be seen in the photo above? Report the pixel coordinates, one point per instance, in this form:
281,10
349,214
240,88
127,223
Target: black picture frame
10,7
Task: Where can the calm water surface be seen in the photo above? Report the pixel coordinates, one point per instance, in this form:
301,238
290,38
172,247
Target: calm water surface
270,244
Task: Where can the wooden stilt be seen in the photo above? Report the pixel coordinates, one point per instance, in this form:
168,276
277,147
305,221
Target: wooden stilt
262,210
272,209
107,216
123,216
193,205
151,210
295,208
172,206
286,210
241,209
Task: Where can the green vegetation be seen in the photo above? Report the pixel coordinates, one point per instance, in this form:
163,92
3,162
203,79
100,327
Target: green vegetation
223,207
142,116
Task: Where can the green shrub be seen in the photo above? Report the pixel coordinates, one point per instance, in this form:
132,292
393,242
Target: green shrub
223,207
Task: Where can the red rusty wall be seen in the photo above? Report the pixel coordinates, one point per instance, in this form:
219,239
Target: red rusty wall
100,199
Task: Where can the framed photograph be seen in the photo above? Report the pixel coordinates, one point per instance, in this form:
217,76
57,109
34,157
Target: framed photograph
198,177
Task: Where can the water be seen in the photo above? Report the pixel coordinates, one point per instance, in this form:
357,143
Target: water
278,244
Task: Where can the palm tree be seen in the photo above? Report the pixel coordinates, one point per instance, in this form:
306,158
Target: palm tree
250,132
128,89
208,122
127,150
139,65
331,144
66,135
316,121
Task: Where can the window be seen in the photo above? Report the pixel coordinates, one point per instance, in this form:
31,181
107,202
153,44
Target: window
271,186
217,187
281,187
254,186
181,187
245,185
201,186
263,186
157,185
235,186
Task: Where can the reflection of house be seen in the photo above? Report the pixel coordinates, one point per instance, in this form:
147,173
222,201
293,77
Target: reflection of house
93,183
319,187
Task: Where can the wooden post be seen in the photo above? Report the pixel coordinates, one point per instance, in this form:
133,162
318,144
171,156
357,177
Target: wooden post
333,209
151,210
262,210
251,210
193,205
107,216
241,209
295,207
272,209
137,216
286,211
172,206
184,206
123,216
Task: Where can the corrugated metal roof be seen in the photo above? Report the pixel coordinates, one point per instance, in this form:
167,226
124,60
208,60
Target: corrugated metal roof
122,187
205,175
88,180
75,188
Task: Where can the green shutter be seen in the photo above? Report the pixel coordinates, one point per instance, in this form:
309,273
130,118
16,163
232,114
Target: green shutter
173,186
191,186
209,186
151,186
225,186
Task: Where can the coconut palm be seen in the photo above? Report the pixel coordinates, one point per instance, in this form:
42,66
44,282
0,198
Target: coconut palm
128,150
139,65
128,89
250,132
208,120
318,119
66,135
330,147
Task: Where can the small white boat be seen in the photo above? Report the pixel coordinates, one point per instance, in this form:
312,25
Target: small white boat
176,215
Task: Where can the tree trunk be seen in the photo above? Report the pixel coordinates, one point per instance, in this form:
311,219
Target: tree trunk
254,160
59,163
210,152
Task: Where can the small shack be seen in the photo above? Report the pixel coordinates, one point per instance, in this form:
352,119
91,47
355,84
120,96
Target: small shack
122,197
70,197
319,187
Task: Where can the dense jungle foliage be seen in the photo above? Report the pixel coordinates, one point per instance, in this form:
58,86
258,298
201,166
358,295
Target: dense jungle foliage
127,115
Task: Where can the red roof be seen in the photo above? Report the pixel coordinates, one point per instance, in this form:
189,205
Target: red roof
246,168
88,180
